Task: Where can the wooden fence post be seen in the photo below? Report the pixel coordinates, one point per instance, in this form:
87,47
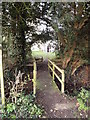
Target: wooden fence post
34,78
1,77
62,85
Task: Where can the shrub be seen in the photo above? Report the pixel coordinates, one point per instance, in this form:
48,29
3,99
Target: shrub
25,107
83,98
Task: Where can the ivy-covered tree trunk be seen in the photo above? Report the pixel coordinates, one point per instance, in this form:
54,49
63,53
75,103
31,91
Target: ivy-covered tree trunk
22,44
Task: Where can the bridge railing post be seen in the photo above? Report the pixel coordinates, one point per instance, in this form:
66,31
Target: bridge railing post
1,77
34,78
62,85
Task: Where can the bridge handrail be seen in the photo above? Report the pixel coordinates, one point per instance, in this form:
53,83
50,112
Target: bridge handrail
55,74
2,80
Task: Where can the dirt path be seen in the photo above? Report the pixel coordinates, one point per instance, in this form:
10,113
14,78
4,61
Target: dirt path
56,105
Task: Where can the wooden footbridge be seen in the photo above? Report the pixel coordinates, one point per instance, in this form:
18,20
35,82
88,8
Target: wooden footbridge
46,90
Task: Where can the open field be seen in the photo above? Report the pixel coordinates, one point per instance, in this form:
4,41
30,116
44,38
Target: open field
45,55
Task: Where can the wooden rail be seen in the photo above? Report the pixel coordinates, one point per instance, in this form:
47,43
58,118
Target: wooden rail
55,74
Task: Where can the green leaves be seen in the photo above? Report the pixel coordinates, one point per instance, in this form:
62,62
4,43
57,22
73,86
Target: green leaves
10,107
9,111
83,98
27,107
24,108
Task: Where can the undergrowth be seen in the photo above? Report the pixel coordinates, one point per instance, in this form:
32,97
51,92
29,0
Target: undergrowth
25,107
83,98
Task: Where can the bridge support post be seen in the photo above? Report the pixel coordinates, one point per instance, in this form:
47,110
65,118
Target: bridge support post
1,77
62,85
34,78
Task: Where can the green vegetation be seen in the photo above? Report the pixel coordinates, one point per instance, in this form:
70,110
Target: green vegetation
25,107
49,55
66,24
83,99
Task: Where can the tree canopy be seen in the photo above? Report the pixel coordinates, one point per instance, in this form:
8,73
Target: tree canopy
66,23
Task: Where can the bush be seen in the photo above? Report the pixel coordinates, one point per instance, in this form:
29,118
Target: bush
83,98
25,107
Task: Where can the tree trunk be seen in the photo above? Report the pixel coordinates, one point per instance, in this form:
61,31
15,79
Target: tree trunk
23,43
68,55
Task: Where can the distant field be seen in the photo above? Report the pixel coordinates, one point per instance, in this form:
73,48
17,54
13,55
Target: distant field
45,55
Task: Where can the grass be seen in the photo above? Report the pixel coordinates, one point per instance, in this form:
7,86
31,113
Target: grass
49,55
